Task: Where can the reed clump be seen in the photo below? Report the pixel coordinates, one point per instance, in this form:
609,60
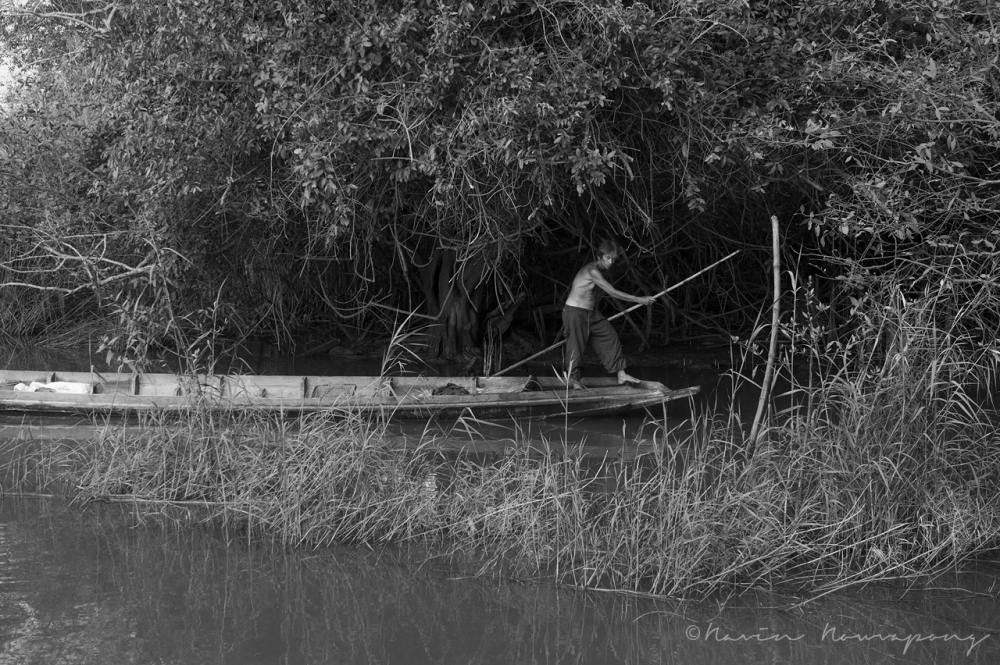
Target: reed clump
818,504
314,481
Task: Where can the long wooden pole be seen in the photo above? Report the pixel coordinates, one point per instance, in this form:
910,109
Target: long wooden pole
621,313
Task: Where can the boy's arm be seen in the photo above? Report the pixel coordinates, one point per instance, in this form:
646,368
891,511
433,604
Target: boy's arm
605,286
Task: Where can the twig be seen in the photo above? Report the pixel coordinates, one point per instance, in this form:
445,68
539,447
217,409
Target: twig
29,495
77,18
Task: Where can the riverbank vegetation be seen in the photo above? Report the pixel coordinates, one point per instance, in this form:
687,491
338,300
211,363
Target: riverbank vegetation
884,475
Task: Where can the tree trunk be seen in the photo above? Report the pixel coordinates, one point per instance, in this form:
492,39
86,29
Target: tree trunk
449,290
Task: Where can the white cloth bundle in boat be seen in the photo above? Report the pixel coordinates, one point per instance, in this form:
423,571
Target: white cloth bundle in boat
74,387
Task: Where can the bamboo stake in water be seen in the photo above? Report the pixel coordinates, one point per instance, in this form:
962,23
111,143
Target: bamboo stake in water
621,313
765,387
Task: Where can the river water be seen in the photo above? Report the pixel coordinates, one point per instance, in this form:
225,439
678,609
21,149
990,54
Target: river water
99,584
96,585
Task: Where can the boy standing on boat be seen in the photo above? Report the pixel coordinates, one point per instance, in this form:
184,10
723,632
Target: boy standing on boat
582,322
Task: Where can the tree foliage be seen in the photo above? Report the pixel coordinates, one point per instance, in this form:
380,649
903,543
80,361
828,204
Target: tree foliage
283,163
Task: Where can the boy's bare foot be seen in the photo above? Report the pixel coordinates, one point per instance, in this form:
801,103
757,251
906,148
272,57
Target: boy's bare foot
574,384
625,377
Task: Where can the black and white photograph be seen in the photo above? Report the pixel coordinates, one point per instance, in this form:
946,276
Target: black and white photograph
509,332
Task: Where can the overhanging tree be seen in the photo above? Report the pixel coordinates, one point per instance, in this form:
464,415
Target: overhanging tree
310,159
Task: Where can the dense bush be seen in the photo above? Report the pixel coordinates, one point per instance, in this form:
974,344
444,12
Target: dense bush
270,166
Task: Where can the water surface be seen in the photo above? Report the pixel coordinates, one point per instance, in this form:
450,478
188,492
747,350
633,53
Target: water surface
97,585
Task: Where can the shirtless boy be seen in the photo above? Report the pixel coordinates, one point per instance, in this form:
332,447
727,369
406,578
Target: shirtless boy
582,322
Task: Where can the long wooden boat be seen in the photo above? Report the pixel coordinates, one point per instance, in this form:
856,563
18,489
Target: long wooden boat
118,394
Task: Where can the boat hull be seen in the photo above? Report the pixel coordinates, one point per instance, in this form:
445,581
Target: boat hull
397,397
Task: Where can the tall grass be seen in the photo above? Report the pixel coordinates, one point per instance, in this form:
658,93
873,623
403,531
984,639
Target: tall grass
315,481
884,470
819,503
